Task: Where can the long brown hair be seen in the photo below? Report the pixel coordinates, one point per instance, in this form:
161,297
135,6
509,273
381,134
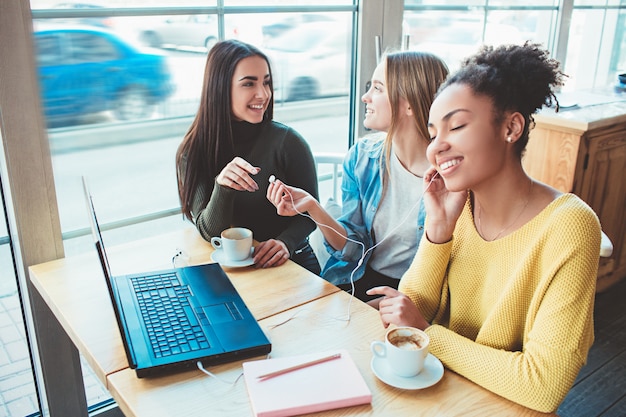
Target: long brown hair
208,145
415,77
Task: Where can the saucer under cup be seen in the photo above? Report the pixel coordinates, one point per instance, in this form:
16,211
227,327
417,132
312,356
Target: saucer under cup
429,376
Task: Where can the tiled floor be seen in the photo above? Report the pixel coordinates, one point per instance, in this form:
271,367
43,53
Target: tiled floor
17,392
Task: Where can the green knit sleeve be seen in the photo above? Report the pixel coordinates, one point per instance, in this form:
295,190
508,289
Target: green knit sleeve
300,171
216,216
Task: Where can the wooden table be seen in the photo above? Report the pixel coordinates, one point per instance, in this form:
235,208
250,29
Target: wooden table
300,312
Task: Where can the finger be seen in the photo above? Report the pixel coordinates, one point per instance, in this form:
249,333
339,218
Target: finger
244,180
266,252
270,194
277,259
243,169
277,191
385,291
430,173
233,176
230,180
246,166
260,251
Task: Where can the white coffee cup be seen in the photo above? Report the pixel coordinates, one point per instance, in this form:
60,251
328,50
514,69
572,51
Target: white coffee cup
236,243
405,350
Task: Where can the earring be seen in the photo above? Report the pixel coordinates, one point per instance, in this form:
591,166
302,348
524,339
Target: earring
509,139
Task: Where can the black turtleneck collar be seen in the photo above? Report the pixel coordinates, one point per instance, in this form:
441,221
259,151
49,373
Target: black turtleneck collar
244,132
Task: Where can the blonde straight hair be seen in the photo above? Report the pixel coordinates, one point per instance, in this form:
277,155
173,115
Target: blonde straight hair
416,77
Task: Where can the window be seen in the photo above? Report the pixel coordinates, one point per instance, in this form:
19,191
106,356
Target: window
119,92
17,389
593,42
454,32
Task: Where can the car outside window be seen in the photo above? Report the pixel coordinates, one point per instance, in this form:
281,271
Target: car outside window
85,47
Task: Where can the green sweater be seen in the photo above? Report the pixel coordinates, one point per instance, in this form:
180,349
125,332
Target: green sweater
514,315
278,150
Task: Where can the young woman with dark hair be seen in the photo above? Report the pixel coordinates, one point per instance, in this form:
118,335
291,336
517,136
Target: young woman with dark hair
504,278
232,148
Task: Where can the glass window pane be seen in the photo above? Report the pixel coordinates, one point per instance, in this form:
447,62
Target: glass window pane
446,3
186,32
118,101
17,388
454,35
287,2
111,4
596,51
517,26
47,4
450,35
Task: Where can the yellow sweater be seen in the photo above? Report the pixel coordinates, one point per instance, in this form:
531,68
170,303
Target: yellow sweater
514,315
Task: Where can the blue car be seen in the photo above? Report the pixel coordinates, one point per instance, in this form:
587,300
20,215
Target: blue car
86,70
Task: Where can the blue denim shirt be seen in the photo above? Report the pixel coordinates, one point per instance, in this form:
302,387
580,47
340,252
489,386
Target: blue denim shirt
362,187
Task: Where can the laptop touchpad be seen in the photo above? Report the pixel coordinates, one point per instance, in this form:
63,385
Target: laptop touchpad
222,313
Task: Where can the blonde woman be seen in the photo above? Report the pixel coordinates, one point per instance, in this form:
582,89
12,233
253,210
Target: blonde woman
382,179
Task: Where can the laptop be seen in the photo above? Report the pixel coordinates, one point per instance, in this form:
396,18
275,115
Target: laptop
171,319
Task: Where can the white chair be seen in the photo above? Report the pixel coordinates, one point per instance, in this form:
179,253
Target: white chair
606,246
332,205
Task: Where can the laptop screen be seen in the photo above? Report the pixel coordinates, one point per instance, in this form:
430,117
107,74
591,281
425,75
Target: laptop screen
97,236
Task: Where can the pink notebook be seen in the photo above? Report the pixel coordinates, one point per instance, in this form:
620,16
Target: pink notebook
333,384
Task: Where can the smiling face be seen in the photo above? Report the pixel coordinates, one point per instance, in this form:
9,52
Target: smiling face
466,147
378,107
250,89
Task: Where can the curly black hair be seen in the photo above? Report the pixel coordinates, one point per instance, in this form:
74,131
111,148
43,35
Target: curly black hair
517,78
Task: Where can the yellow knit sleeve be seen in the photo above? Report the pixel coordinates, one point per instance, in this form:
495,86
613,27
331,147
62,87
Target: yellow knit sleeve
424,281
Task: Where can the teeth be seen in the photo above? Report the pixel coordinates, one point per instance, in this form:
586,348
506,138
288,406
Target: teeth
257,107
449,164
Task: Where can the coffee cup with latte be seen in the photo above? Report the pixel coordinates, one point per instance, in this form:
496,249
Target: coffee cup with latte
405,350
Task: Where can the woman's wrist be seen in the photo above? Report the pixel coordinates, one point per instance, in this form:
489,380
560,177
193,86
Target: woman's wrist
438,235
314,208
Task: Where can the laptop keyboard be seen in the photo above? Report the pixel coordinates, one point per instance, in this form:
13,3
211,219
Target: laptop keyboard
171,324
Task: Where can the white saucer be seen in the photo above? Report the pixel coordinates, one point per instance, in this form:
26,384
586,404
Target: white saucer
218,256
430,375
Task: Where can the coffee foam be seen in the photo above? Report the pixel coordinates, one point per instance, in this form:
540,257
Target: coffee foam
407,341
235,234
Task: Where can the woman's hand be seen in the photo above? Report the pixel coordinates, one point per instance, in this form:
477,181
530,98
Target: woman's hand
398,309
443,207
236,175
270,253
289,201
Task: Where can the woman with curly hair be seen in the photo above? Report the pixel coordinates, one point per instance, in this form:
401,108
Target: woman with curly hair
504,278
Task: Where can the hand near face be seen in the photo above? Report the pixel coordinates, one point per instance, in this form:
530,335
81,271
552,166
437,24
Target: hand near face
396,308
270,253
289,201
443,207
236,175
